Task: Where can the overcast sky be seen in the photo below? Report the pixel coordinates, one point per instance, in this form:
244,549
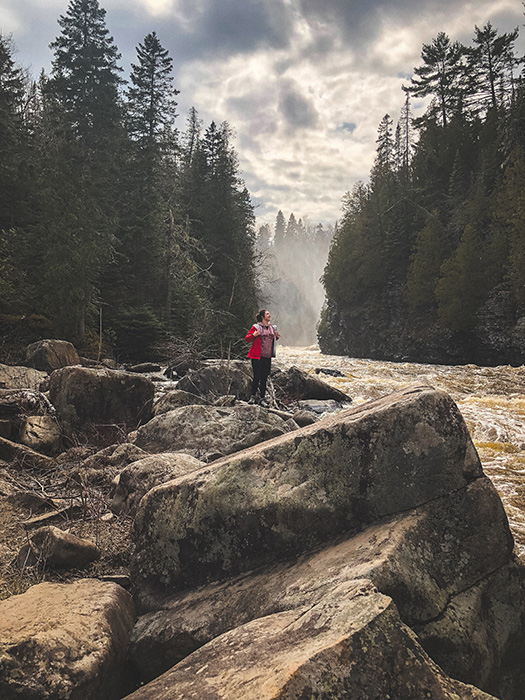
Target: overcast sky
303,83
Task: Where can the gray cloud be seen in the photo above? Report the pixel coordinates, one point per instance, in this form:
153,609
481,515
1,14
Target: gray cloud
297,111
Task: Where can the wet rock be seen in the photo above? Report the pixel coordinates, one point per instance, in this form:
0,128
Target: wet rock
82,395
288,495
41,433
205,430
175,399
218,378
296,384
53,547
351,644
66,641
329,372
48,355
141,476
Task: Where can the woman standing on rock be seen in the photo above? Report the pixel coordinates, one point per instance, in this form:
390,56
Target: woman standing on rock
262,335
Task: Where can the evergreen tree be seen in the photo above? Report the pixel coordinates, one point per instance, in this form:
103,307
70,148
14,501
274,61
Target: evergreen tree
425,264
85,76
493,61
443,75
280,228
83,109
151,105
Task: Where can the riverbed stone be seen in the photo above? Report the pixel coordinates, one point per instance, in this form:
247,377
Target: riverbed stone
205,431
66,641
81,395
135,480
48,354
351,644
290,494
294,383
52,547
16,377
219,378
41,433
175,399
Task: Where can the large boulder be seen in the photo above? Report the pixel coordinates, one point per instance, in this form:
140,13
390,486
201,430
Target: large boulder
81,395
467,533
207,432
292,493
138,478
296,384
66,641
351,644
218,378
12,377
48,355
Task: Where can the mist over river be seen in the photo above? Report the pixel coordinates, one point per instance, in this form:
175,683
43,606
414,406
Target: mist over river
491,399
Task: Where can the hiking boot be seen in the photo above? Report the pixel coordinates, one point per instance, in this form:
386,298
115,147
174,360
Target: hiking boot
252,400
264,403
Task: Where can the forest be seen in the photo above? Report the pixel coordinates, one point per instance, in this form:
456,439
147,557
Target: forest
117,231
428,261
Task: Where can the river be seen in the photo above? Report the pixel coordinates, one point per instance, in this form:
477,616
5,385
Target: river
491,399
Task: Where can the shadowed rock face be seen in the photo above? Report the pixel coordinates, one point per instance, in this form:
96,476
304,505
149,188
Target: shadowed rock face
290,494
352,644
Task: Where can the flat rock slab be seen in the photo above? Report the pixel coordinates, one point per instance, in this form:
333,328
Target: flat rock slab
65,641
292,493
352,644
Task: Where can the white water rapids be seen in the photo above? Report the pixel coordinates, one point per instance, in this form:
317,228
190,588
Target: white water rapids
491,399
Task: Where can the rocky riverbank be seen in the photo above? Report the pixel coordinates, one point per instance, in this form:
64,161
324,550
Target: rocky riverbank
217,549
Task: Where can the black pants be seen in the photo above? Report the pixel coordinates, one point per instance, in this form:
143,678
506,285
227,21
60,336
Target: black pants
261,370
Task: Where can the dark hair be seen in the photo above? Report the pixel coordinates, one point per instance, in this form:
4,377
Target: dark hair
260,315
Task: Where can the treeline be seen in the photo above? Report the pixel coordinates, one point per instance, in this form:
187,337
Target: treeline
436,239
110,217
291,256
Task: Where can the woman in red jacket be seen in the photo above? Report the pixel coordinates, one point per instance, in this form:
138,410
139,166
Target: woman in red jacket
262,335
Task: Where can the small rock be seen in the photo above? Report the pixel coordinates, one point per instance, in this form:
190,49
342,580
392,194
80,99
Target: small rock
54,547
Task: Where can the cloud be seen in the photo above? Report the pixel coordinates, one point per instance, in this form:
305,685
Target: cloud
296,109
303,83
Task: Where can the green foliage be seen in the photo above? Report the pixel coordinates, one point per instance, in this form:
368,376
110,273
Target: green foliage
101,206
425,265
441,227
138,332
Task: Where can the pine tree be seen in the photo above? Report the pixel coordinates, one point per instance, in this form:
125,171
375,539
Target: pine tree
84,114
493,62
443,75
85,75
280,228
151,105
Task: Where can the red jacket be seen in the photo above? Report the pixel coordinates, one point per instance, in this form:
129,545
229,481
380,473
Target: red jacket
255,350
